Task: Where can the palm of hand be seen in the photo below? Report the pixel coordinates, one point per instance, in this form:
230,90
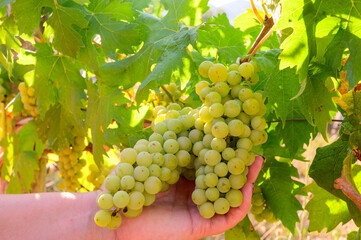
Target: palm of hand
174,216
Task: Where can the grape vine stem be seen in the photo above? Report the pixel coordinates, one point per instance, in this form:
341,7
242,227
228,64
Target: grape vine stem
300,120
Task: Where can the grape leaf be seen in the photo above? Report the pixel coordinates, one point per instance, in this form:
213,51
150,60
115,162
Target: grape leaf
279,190
243,230
5,2
327,167
325,210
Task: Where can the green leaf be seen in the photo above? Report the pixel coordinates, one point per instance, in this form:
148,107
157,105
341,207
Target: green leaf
279,190
5,2
325,210
67,38
243,230
318,110
327,167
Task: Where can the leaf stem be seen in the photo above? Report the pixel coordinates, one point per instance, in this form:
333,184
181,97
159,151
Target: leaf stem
256,13
167,92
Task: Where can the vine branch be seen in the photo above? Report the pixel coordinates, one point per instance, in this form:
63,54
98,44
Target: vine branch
300,120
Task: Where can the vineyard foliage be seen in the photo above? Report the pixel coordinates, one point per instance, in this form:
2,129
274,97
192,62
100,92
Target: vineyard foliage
94,64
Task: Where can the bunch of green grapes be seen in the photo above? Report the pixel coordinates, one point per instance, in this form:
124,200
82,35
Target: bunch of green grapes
232,123
97,176
259,208
70,165
27,95
148,168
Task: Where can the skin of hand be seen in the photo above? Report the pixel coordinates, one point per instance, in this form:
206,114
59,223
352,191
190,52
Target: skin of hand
174,216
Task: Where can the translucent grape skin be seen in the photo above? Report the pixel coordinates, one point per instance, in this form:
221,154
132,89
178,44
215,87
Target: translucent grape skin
218,73
102,218
199,196
121,199
221,206
204,68
105,201
246,70
207,210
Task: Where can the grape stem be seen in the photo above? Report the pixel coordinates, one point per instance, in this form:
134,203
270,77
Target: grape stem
168,93
256,13
300,120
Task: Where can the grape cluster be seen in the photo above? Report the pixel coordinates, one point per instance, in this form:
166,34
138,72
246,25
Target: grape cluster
70,165
259,208
27,95
97,176
232,123
148,168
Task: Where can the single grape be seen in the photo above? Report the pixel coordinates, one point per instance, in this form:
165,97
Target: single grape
253,79
195,135
207,140
237,181
121,199
221,206
218,144
207,128
102,218
220,130
149,199
144,158
158,158
245,118
223,185
170,161
258,199
128,155
235,166
232,109
217,73
208,169
155,170
216,110
184,143
199,124
204,114
258,123
184,158
154,147
234,197
115,221
212,157
127,182
112,183
206,210
175,125
105,201
171,146
124,169
187,121
233,67
245,143
222,88
153,185
221,169
140,148
236,127
204,68
160,128
242,154
212,194
141,173
138,187
165,174
169,135
202,84
234,78
199,196
174,177
136,200
200,182
211,180
213,97
246,132
197,147
132,213
228,153
251,106
204,92
246,70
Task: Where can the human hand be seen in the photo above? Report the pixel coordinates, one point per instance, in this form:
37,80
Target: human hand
173,215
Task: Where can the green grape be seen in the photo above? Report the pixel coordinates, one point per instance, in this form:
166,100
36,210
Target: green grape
124,169
136,200
185,110
257,189
143,141
223,185
144,159
153,185
184,158
202,84
235,91
105,201
200,171
102,218
234,78
245,93
259,97
199,196
242,154
165,174
200,182
245,143
251,106
208,169
268,215
149,199
246,70
132,213
211,180
257,199
221,206
112,183
175,125
255,66
236,127
170,161
154,147
174,106
207,140
128,155
221,169
204,68
115,221
220,130
246,132
217,73
246,119
165,187
204,92
187,121
258,137
183,134
140,148
233,67
207,128
228,154
160,128
258,123
253,79
222,88
155,170
251,158
213,97
158,158
232,108
237,181
169,135
212,157
201,155
234,197
121,199
256,210
195,135
127,182
218,144
141,173
235,166
197,147
171,115
204,114
185,143
199,124
258,218
171,146
174,177
138,187
206,210
216,110
212,194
